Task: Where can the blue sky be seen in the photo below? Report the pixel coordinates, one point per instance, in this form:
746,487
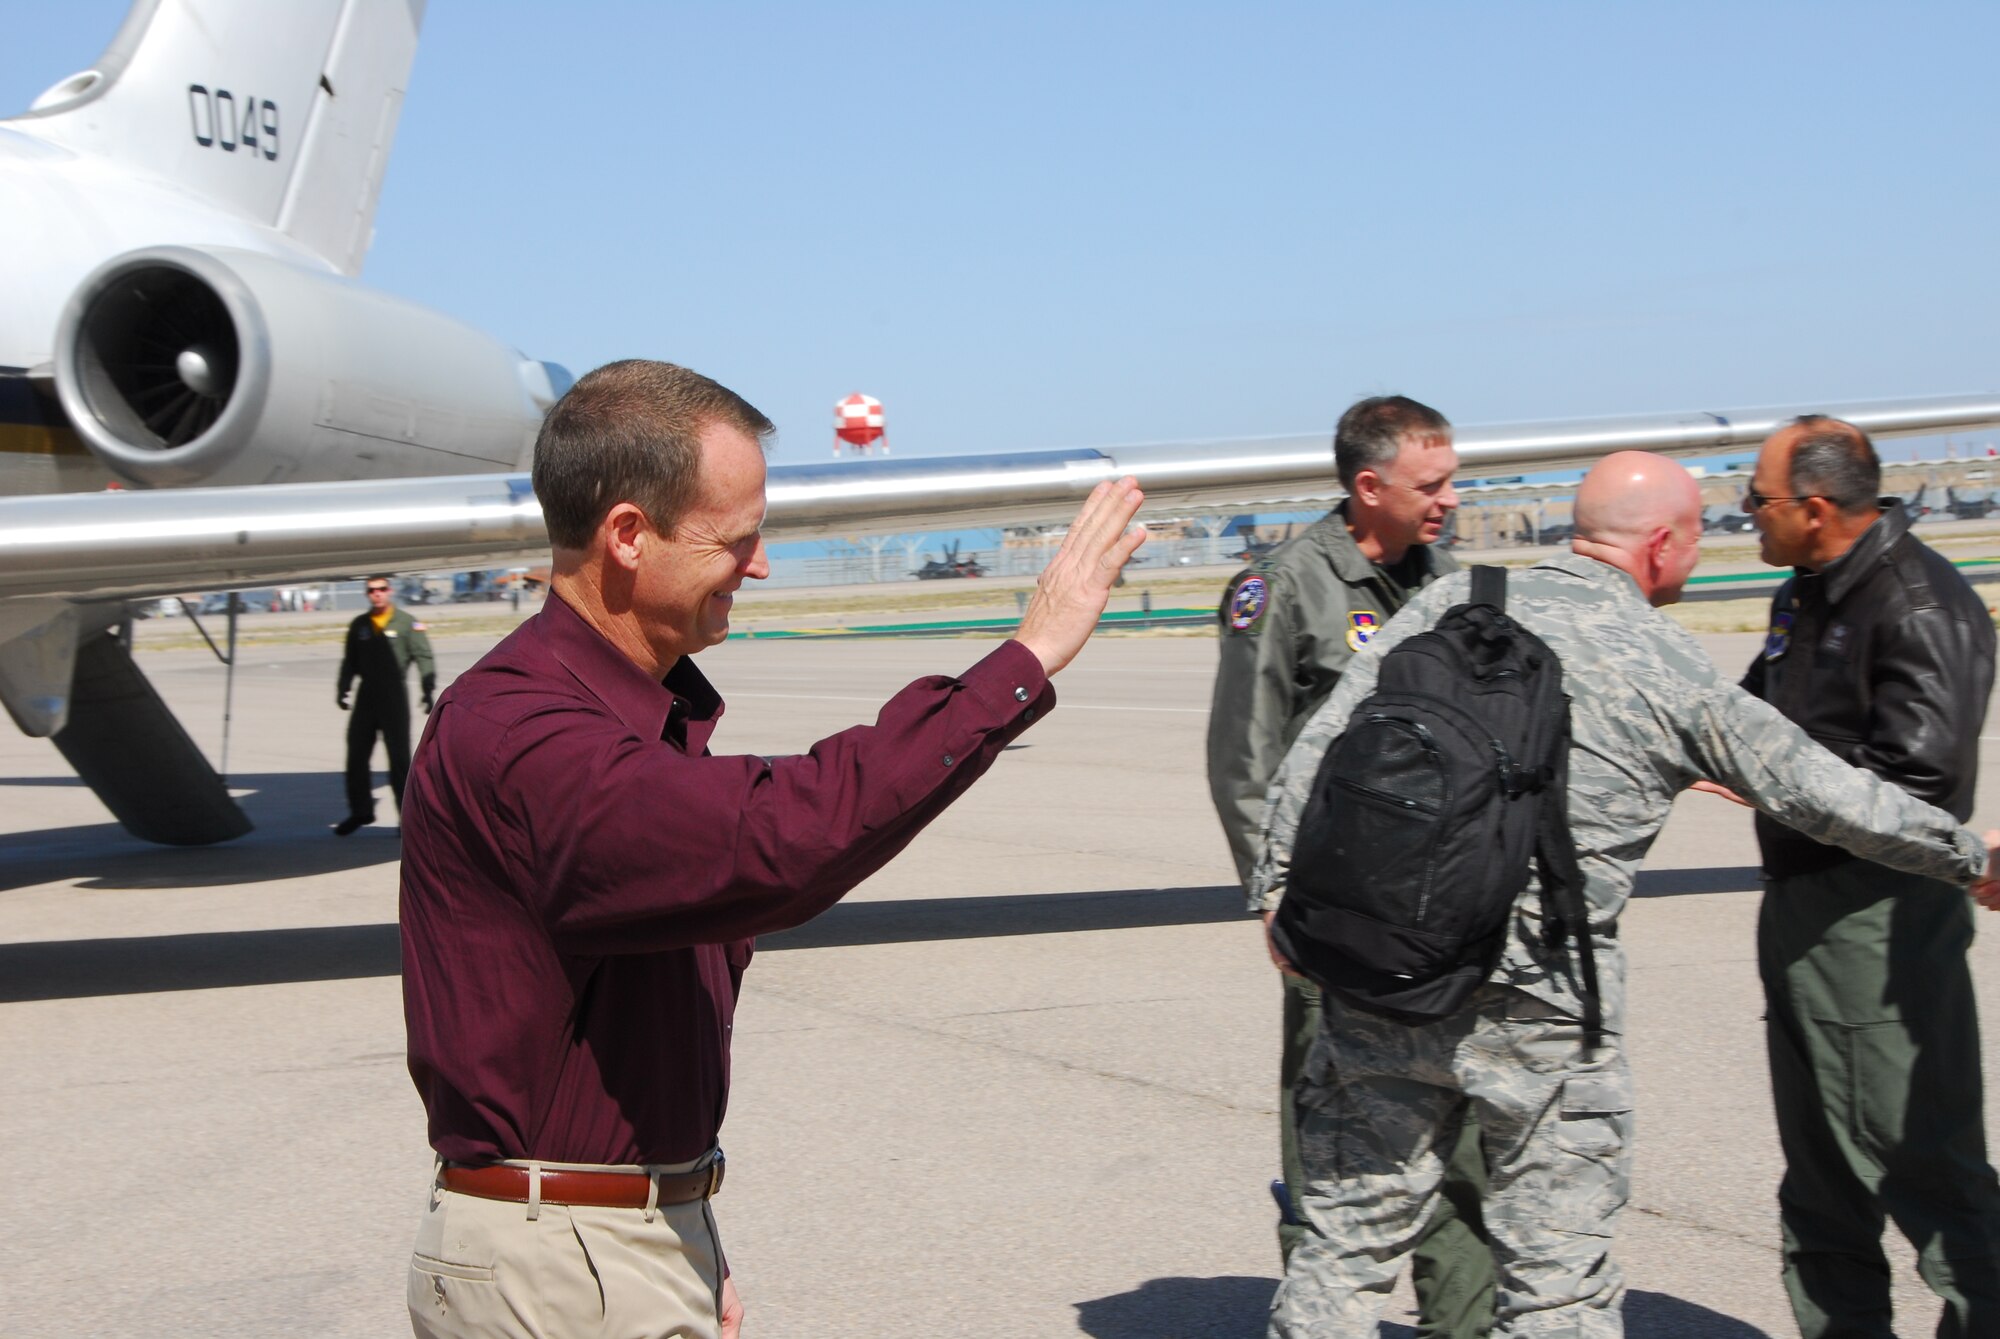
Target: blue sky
1044,225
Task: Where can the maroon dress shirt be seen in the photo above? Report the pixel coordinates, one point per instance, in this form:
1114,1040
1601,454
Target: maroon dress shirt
582,880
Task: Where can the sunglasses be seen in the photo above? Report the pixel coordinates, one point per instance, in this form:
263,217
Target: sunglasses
1756,501
378,590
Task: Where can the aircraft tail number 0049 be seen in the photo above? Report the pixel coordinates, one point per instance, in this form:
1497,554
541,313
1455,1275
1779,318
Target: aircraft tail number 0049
216,123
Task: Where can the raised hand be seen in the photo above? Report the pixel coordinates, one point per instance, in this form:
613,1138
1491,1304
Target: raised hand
1074,588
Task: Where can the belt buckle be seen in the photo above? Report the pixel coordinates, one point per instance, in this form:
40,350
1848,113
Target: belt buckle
714,1176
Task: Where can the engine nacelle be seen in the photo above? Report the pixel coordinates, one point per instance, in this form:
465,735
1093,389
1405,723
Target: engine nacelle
183,365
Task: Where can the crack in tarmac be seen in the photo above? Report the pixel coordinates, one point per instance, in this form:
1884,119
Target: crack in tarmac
1711,1229
1052,1062
1058,1008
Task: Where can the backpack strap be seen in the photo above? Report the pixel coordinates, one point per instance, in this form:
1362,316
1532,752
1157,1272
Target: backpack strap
1564,909
1489,586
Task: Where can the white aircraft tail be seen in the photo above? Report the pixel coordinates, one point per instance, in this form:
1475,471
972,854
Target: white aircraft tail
282,112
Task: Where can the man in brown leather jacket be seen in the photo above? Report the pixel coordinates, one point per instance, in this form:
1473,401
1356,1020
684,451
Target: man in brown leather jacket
1880,650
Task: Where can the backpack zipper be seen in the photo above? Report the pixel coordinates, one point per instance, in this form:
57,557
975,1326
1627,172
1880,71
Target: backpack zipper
1430,746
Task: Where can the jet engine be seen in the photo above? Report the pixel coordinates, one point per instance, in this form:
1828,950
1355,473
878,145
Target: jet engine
204,365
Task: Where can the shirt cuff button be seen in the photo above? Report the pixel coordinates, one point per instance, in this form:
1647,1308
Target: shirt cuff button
1020,695
947,760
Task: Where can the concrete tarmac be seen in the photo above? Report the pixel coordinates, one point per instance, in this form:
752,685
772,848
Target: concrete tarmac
1020,1083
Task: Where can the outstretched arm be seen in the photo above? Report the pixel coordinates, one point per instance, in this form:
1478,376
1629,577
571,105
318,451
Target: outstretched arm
1748,746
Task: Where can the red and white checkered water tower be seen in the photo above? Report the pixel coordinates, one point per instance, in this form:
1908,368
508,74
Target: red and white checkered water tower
857,422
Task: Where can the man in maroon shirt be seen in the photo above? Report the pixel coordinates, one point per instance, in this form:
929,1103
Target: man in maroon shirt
582,879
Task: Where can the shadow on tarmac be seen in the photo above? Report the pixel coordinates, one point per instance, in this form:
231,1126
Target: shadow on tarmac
1681,882
84,968
71,969
1237,1308
80,968
918,920
292,812
1661,1316
1229,1307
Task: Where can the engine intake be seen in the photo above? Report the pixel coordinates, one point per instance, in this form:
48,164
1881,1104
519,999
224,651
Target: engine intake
160,355
182,365
151,364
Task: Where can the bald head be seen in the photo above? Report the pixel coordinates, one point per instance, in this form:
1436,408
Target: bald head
1642,514
1628,495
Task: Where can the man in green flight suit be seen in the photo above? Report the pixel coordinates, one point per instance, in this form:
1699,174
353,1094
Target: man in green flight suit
1289,625
380,646
1880,651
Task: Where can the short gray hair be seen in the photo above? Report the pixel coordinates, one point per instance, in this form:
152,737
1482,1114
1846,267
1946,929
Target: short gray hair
1835,460
1370,434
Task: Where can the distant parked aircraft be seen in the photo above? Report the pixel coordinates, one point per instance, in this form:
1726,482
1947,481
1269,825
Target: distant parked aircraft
949,566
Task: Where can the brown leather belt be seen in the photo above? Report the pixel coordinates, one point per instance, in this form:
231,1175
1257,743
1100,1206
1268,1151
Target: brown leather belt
603,1190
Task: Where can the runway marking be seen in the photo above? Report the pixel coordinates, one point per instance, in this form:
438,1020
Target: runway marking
878,701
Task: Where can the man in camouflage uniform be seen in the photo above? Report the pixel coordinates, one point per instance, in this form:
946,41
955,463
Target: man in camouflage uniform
1289,624
1650,714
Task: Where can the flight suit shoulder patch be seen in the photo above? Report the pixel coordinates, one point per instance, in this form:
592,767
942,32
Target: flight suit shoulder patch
1248,602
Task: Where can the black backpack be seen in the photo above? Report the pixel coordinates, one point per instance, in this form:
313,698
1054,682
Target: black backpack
1415,839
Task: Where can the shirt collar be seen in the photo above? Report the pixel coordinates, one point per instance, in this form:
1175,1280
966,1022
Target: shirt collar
1842,574
647,706
1595,571
696,706
1350,564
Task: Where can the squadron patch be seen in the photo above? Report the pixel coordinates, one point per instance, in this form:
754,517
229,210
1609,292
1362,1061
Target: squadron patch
1779,639
1362,625
1837,639
1248,603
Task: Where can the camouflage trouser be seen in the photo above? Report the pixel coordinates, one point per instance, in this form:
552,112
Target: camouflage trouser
1451,1265
1381,1104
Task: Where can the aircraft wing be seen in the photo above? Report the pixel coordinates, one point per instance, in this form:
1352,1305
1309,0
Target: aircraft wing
130,544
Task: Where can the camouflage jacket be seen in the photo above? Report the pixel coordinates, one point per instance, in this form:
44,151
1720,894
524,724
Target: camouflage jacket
1650,714
1289,624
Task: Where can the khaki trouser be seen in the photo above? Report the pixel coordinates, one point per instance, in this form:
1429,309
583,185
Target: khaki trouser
486,1268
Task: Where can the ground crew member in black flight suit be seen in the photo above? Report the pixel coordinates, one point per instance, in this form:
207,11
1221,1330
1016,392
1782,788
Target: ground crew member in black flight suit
1289,625
380,646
